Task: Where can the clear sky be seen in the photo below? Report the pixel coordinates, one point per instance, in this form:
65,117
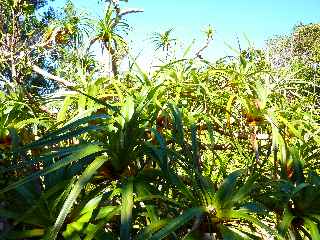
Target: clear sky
231,19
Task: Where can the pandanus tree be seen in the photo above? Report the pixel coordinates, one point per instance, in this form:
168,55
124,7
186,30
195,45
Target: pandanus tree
69,30
110,30
163,41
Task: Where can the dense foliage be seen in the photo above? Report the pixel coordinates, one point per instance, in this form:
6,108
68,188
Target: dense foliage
192,150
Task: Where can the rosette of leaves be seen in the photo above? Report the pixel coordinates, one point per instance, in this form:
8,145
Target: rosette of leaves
215,208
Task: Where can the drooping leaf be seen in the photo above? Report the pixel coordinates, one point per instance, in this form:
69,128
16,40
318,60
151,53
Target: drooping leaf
79,185
126,210
87,150
177,222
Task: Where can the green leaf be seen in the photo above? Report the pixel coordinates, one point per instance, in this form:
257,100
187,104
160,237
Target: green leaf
31,234
228,234
127,110
144,193
79,185
47,157
35,121
85,151
177,222
178,133
126,210
67,132
161,151
151,228
285,222
243,214
244,191
105,214
91,205
59,138
223,195
313,228
150,96
74,124
188,49
63,111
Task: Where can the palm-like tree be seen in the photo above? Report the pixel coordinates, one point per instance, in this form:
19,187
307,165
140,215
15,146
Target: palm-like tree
209,32
110,32
163,41
68,31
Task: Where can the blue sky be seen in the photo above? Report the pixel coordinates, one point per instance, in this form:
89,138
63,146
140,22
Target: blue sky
231,19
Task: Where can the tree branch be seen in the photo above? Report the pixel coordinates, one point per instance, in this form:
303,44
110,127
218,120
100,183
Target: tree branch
52,77
129,11
206,45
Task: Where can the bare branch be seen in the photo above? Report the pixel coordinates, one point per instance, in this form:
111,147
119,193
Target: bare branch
52,77
129,11
204,47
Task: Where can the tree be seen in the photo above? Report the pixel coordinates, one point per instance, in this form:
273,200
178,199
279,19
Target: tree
299,52
301,44
163,41
21,31
110,32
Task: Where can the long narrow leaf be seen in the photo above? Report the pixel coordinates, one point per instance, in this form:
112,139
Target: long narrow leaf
177,222
80,184
126,210
81,153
